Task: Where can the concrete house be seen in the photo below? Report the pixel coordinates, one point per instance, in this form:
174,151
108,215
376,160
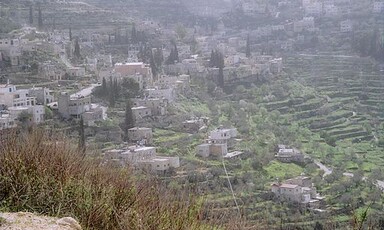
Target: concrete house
37,113
158,106
217,143
346,26
73,107
378,7
16,102
7,121
195,125
141,112
43,95
143,157
50,71
133,69
298,190
287,155
167,93
95,114
76,72
140,134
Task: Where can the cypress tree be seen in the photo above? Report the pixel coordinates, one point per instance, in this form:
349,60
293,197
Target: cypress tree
248,49
40,18
212,59
70,34
176,58
134,34
129,121
104,87
221,77
112,100
153,66
76,52
30,15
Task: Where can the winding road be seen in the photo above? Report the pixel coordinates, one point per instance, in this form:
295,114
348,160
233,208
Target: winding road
327,171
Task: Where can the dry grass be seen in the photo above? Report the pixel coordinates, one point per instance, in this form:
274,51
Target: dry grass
44,174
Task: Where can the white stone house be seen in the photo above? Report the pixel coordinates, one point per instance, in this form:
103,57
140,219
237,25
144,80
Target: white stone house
43,95
73,106
135,69
141,112
217,143
346,26
286,154
158,106
140,134
143,157
95,114
7,121
76,72
168,93
378,7
299,190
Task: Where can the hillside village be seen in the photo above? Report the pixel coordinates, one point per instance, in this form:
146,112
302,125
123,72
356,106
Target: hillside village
272,105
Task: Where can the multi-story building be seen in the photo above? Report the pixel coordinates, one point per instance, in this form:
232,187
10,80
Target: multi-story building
43,95
14,102
73,107
135,69
217,143
299,190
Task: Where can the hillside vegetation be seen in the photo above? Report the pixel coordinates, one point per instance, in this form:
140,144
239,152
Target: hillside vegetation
44,174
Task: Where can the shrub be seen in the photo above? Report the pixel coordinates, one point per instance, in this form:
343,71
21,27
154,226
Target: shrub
44,173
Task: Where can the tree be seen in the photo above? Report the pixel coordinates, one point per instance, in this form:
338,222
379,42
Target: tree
25,119
104,87
130,88
318,226
40,18
129,121
153,66
30,15
82,147
158,57
70,34
134,34
76,52
221,77
112,95
181,31
174,55
248,49
212,59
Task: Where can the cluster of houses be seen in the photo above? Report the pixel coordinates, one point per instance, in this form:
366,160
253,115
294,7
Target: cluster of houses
140,154
32,104
300,189
142,157
17,102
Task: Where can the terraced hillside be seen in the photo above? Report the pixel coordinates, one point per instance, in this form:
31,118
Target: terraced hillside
348,96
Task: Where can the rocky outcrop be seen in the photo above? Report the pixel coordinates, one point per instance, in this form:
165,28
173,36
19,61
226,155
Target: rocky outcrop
30,221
